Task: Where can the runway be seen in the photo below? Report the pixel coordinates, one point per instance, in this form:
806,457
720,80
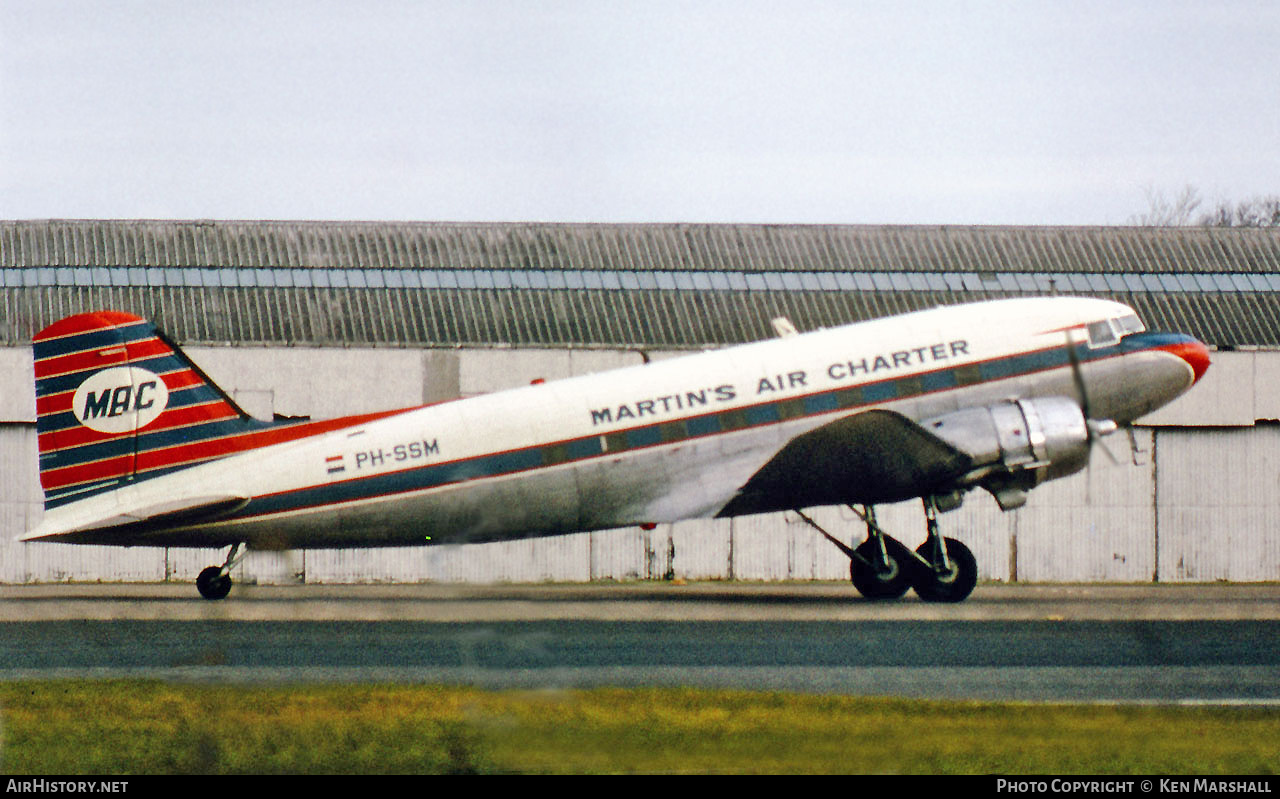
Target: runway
1189,644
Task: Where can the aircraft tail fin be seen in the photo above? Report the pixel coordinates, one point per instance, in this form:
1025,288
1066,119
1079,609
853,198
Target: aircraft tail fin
117,401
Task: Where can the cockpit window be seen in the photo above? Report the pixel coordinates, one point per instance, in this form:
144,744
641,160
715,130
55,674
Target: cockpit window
1101,334
1130,324
1110,331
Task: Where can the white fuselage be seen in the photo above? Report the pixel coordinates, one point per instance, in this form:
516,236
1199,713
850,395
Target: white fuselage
665,441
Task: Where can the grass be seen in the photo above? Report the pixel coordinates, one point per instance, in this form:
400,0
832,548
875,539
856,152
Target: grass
135,727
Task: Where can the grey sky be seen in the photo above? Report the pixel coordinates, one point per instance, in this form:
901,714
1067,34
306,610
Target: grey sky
845,112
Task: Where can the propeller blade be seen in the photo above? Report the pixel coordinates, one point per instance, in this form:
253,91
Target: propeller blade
1094,428
1110,455
1077,375
1097,428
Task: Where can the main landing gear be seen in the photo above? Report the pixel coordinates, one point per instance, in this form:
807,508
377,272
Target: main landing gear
215,581
940,570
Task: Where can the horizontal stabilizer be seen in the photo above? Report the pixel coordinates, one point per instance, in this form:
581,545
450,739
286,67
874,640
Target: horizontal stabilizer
162,514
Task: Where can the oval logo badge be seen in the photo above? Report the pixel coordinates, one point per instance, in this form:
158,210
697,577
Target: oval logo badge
120,400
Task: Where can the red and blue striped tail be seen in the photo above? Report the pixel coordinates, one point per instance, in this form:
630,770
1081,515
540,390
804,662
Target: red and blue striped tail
117,401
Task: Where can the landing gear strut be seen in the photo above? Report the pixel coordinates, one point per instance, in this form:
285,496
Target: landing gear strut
215,581
884,569
940,570
950,571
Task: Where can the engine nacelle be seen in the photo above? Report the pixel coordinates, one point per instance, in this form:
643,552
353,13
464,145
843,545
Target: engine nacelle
1016,445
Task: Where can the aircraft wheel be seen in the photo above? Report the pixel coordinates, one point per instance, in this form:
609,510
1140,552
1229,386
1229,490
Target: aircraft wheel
875,583
212,584
953,586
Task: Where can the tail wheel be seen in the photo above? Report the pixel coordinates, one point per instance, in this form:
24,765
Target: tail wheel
213,584
951,584
876,579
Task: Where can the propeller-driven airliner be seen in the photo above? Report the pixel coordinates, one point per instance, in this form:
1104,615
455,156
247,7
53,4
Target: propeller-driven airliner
138,447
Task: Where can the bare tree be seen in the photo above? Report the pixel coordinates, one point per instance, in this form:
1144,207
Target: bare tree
1255,212
1179,211
1163,211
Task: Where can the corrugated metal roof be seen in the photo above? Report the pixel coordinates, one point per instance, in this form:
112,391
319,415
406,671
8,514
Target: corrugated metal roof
627,314
440,245
532,317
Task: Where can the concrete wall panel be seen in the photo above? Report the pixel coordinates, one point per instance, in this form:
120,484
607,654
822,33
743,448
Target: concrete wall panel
1266,386
1219,504
483,371
1095,525
59,563
587,362
486,371
441,380
17,389
21,504
761,548
1226,395
561,559
320,383
631,553
702,549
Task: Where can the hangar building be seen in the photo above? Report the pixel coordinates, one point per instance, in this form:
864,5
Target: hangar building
321,319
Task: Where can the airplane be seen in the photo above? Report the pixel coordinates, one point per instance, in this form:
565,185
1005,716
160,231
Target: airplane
138,447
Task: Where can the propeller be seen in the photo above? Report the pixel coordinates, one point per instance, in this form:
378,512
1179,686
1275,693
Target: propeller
1095,429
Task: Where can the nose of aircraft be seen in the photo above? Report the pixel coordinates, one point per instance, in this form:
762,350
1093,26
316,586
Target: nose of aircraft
1194,352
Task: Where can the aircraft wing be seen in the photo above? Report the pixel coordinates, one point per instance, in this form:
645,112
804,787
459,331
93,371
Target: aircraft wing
874,456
